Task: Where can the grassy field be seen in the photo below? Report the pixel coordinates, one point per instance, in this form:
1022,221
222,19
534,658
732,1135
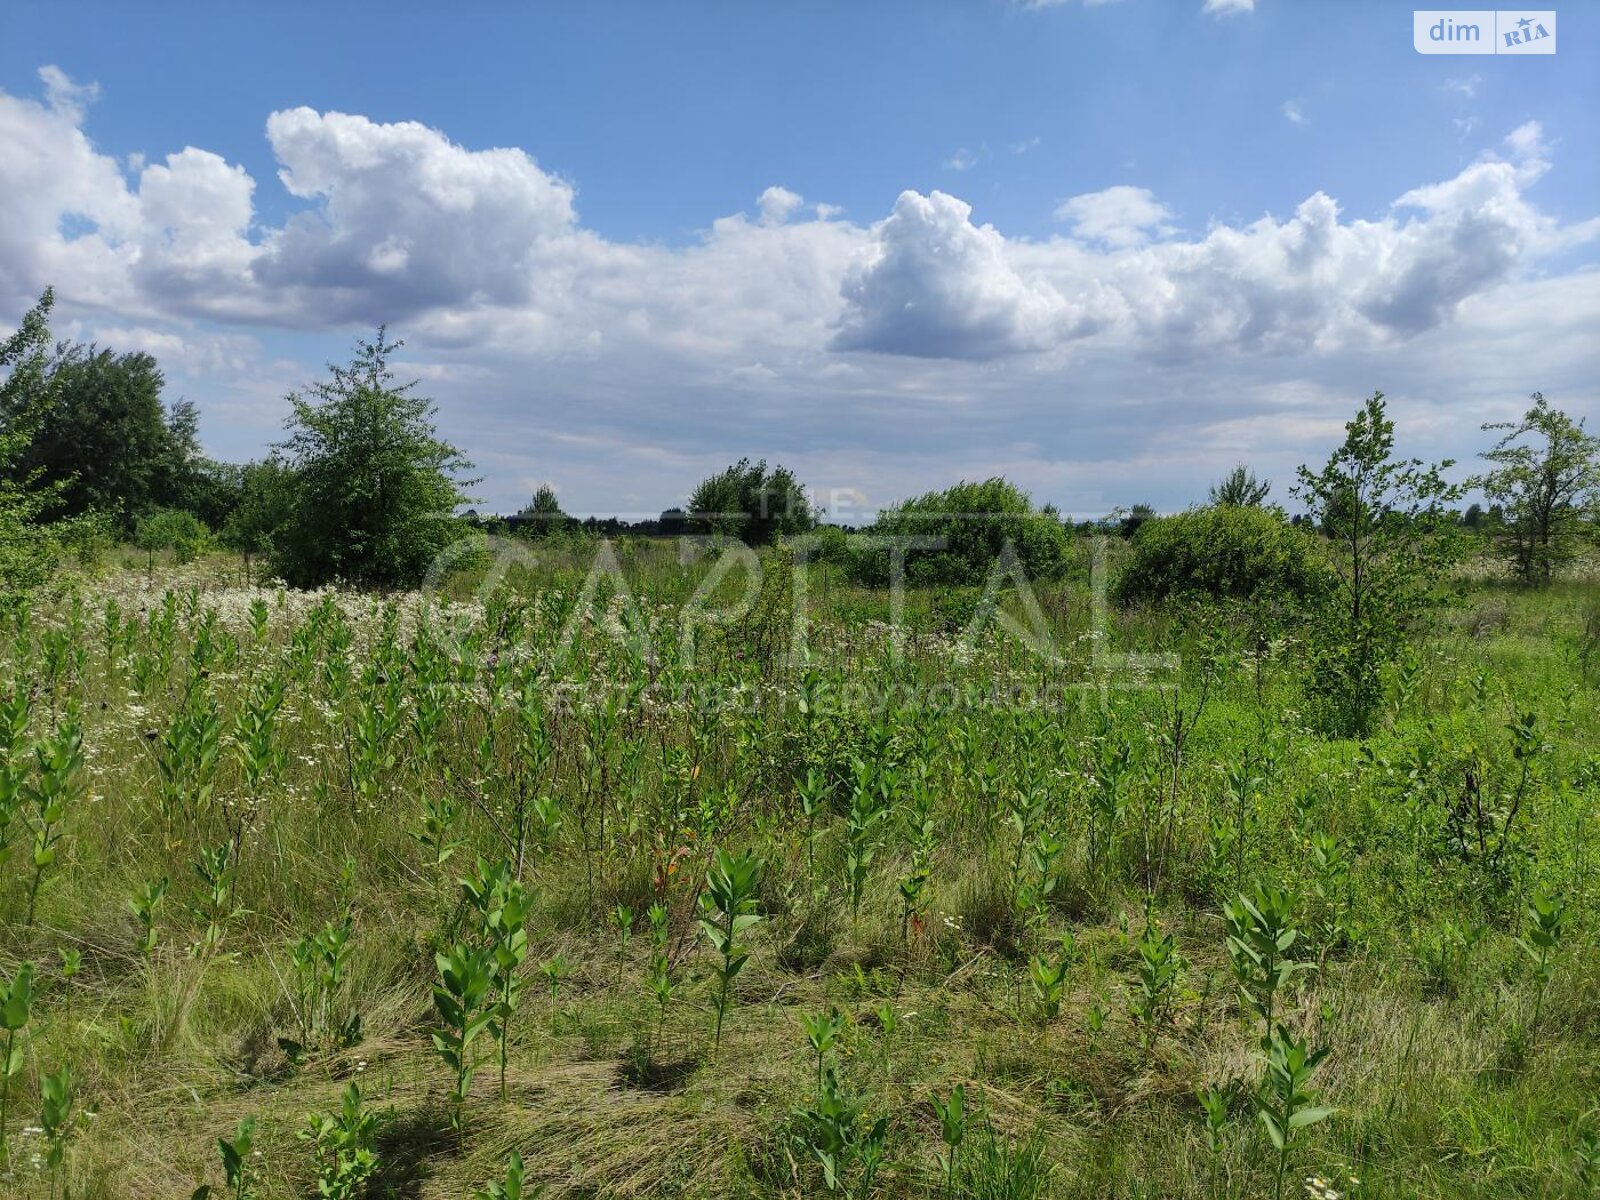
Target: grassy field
1003,872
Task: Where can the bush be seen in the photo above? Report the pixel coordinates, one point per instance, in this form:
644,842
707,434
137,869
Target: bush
171,529
975,523
1237,552
832,545
752,502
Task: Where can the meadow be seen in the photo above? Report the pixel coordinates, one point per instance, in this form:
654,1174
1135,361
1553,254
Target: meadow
481,890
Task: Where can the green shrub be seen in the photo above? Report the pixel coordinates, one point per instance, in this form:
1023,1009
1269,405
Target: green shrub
170,529
974,522
752,502
1226,551
375,487
832,545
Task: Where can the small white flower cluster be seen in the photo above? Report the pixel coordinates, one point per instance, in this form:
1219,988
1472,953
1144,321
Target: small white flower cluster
1320,1187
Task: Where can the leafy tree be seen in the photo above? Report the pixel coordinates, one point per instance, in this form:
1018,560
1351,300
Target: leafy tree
975,522
1223,551
376,487
752,502
211,490
264,507
1134,519
1240,488
27,550
103,436
1391,544
171,529
543,513
1546,473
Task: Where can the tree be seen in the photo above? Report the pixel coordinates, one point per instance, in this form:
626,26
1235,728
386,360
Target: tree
211,490
1546,473
543,513
753,503
1392,543
104,438
27,551
170,529
376,487
1134,518
265,506
975,522
1240,488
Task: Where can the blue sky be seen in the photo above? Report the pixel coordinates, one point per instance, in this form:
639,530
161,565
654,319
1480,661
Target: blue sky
1068,242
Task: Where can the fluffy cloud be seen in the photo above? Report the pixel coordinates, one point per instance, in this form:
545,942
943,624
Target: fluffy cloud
1224,8
778,204
53,188
936,285
1118,216
800,329
64,95
484,247
401,209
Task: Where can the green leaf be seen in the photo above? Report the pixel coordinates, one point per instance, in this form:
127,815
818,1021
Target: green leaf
1273,1131
1309,1116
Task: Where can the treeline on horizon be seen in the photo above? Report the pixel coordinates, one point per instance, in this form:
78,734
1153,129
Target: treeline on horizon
364,492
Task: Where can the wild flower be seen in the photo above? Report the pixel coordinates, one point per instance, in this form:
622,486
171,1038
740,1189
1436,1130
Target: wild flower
57,1093
1546,925
1159,969
1285,1103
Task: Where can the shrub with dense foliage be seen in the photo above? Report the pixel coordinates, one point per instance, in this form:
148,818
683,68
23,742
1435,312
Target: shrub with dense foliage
1222,552
752,502
26,550
958,537
1240,487
376,487
543,515
172,529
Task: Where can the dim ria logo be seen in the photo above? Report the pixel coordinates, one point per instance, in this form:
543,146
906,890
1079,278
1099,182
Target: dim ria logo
1484,31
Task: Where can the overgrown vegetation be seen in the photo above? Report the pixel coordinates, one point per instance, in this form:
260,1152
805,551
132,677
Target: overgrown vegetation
1546,478
1279,880
876,899
965,536
1224,552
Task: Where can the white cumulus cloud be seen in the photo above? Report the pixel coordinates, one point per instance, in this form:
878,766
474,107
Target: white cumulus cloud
936,285
778,204
1118,216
